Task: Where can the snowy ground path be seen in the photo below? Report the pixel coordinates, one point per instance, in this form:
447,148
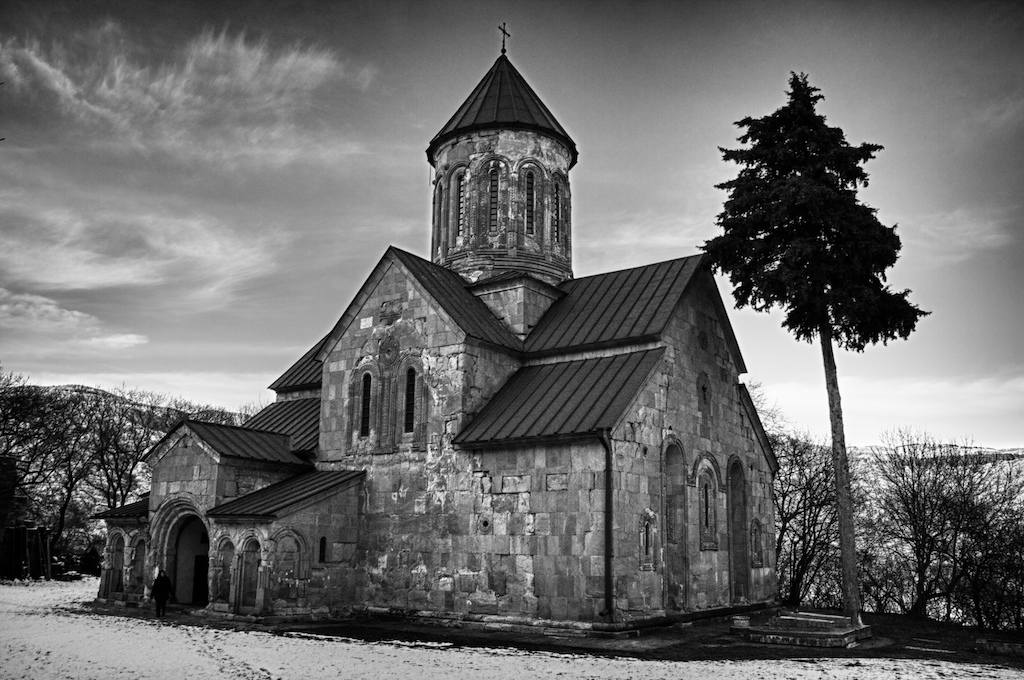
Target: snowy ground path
44,636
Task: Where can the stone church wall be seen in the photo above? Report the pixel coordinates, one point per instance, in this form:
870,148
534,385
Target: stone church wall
664,561
517,532
308,559
713,432
457,378
189,471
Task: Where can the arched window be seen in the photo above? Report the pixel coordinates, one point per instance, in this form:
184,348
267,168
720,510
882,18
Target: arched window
647,540
529,203
459,203
556,213
364,407
442,219
492,215
756,544
708,511
410,400
323,550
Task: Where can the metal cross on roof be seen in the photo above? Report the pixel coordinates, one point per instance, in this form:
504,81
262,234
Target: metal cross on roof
504,34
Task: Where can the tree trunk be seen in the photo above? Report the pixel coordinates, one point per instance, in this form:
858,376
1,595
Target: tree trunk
844,504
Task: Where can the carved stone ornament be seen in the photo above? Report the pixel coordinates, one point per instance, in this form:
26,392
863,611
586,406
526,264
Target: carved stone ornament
388,351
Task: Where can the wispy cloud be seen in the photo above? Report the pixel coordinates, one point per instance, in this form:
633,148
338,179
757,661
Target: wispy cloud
44,317
1005,111
63,249
623,239
954,236
222,99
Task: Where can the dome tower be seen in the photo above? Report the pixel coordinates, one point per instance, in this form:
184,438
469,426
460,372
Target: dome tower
501,184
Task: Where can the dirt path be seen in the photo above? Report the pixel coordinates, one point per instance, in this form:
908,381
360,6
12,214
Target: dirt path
46,635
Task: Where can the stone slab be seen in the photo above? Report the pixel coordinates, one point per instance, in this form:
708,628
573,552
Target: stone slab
840,637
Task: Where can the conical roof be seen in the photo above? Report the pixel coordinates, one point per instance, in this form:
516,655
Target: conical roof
503,99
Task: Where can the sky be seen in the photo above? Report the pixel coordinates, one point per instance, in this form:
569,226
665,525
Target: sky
191,193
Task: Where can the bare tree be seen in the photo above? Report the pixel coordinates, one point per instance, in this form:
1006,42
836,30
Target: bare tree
807,524
935,504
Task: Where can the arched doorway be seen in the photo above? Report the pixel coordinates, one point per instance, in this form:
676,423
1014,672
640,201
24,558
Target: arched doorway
739,554
191,562
138,580
222,577
117,565
250,573
675,528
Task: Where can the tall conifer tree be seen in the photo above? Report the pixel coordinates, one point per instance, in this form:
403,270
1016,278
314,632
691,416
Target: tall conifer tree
796,236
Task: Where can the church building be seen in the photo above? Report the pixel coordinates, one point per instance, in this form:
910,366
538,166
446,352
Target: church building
481,437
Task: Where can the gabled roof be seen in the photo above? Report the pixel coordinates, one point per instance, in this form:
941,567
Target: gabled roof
601,310
236,442
560,399
304,374
502,100
451,291
297,418
271,500
136,510
446,288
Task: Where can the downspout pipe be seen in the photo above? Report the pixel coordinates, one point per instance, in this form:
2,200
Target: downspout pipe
609,526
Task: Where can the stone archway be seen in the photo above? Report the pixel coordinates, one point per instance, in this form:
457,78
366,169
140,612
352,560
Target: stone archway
250,575
222,568
117,565
675,533
739,552
188,560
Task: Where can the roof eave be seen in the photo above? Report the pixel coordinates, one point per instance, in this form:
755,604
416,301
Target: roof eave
536,439
442,138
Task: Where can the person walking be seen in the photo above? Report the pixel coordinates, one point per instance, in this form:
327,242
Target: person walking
161,593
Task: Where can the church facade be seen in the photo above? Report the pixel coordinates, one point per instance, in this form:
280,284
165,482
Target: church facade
481,436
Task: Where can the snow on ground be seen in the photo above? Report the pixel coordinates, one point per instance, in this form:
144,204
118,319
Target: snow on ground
44,636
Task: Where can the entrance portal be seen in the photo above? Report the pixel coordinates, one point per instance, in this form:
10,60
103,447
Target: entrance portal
739,556
675,527
250,572
191,563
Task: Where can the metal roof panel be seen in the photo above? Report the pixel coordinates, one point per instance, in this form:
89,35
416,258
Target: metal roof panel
239,442
613,307
562,398
270,500
297,418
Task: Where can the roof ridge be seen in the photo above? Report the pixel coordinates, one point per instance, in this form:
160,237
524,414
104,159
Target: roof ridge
186,421
626,269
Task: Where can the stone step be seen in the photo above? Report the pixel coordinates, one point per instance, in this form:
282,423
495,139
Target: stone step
806,638
809,621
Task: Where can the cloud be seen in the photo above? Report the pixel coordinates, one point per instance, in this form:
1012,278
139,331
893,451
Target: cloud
60,248
35,315
620,240
956,235
222,100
